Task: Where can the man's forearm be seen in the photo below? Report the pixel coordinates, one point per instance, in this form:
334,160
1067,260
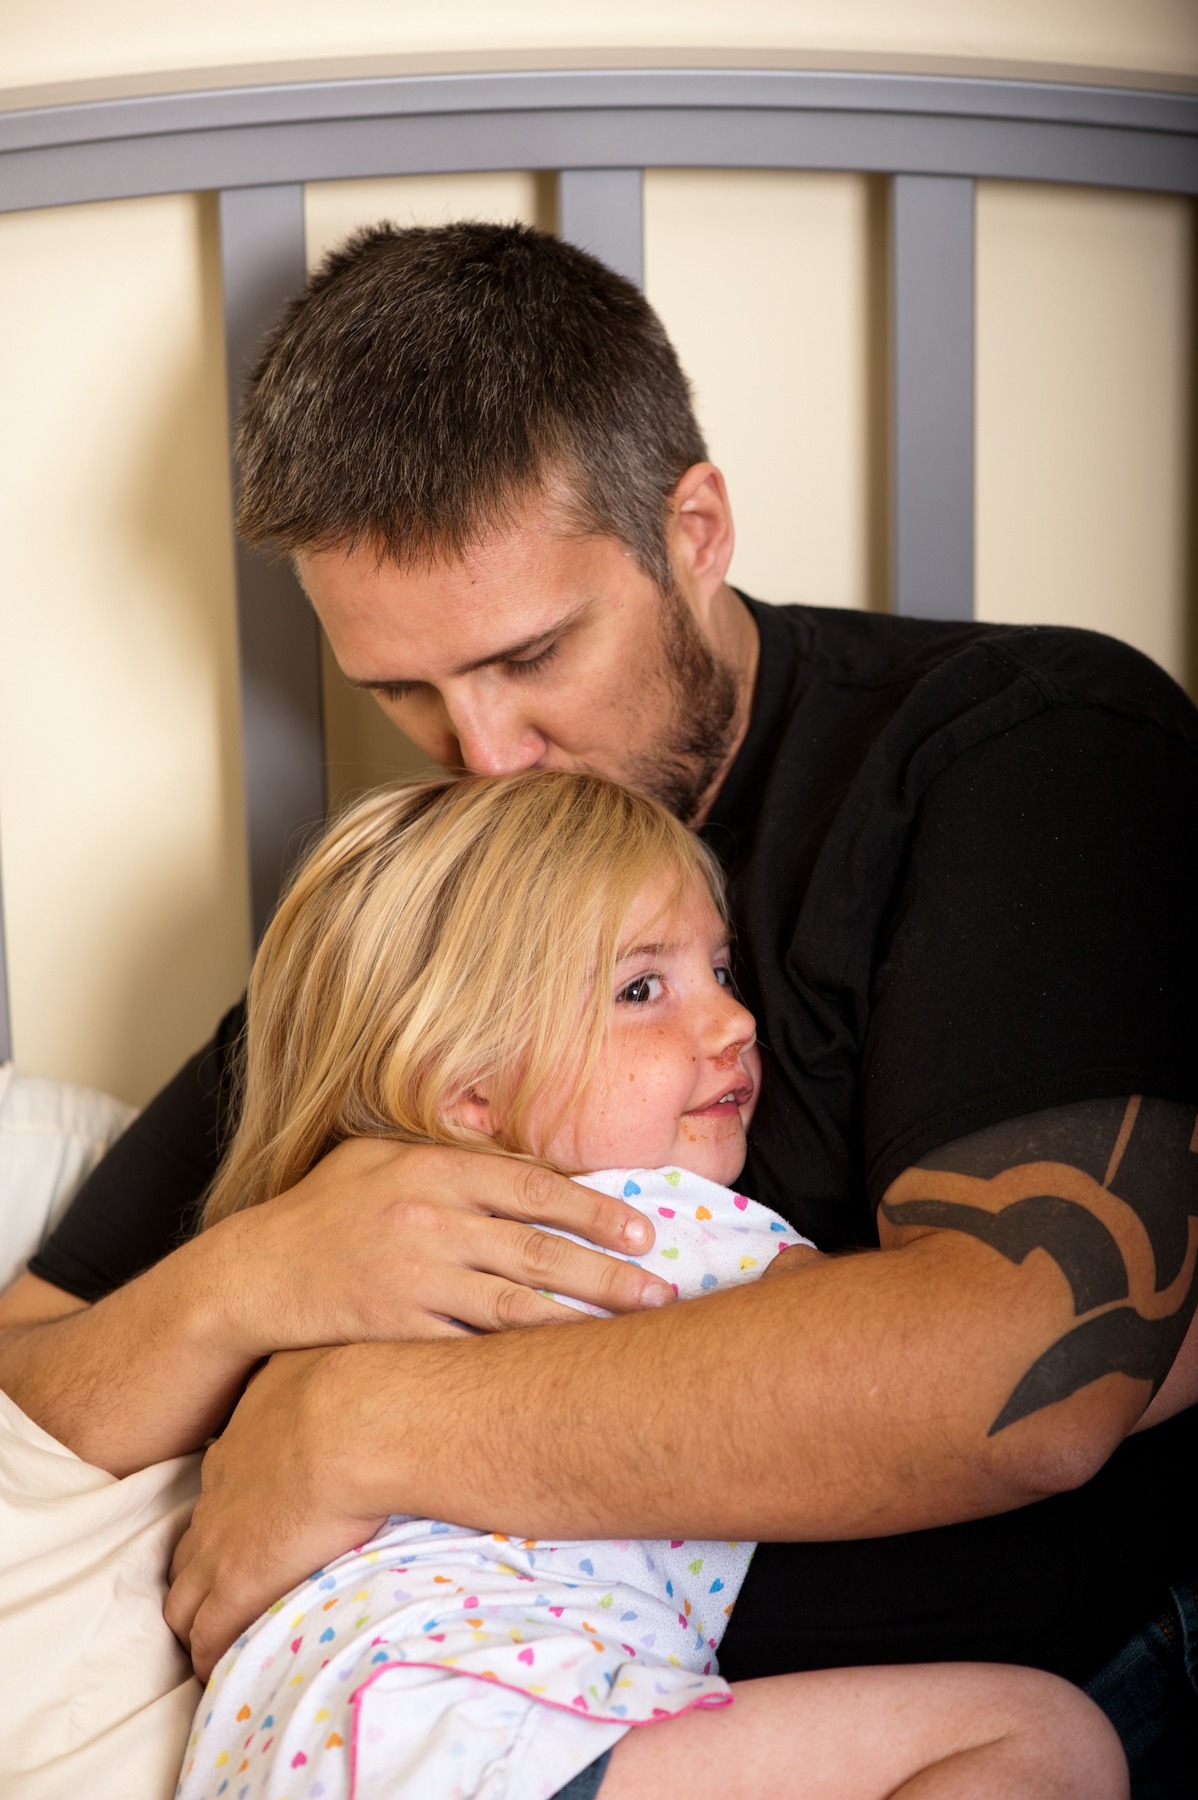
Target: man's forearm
998,1347
139,1377
850,1399
379,1240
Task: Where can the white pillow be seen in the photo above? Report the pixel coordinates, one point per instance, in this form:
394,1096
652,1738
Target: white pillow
51,1138
97,1697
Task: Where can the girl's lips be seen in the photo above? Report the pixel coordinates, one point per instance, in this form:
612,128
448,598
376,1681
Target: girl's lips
723,1108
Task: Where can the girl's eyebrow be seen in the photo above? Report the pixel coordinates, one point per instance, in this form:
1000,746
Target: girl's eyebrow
637,951
640,950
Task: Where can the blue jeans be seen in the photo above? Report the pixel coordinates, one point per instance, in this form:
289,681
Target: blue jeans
1149,1692
585,1784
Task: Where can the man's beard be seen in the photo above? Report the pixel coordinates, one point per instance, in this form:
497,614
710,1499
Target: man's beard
702,717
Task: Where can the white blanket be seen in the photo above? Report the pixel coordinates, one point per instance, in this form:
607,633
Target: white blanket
97,1696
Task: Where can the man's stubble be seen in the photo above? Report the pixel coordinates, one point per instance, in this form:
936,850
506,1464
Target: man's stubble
702,706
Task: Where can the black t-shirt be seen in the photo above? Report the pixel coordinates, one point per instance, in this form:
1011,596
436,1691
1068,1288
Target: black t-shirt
964,869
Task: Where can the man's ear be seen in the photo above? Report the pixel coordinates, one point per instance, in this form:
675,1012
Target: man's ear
700,531
473,1113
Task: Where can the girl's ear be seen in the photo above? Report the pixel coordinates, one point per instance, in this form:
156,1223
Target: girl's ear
472,1112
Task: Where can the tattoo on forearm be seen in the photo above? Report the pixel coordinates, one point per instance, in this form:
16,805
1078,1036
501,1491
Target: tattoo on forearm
1080,1244
1109,1190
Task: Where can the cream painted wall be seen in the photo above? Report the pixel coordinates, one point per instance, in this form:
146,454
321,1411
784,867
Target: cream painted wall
763,280
1085,392
332,209
48,41
120,815
120,812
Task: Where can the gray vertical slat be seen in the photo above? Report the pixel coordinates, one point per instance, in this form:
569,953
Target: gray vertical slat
5,1022
602,210
262,264
932,395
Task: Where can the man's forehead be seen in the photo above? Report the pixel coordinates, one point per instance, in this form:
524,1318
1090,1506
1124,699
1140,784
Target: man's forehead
388,622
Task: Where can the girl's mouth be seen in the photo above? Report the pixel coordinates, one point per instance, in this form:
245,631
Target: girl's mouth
726,1105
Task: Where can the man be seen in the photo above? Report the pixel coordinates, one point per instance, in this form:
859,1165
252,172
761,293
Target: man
963,866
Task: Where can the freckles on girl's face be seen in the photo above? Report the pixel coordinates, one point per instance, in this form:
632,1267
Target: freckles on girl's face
680,1072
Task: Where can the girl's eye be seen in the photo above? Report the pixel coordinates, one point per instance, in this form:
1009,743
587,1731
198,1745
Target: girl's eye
640,991
724,977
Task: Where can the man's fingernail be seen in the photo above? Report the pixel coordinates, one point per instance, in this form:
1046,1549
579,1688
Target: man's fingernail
657,1296
636,1233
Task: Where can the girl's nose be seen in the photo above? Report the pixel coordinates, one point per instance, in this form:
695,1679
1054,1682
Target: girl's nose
737,1033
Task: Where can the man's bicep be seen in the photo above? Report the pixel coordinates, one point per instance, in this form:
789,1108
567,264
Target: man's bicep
1106,1189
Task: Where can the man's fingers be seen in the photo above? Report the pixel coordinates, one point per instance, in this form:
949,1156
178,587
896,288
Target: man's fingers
537,1260
470,1261
482,1303
545,1261
213,1629
488,1302
491,1304
385,1236
200,1612
184,1551
518,1190
546,1198
181,1606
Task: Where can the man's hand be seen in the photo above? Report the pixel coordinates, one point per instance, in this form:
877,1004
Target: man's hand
271,1511
379,1241
988,1355
411,1241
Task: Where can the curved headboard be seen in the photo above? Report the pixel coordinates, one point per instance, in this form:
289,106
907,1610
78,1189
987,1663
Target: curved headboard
933,136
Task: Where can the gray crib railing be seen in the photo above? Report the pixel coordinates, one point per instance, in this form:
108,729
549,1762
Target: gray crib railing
933,137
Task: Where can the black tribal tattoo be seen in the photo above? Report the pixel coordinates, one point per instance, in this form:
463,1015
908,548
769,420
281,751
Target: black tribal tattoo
1109,1189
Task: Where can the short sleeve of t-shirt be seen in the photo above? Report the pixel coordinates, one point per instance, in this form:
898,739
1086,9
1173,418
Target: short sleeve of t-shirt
1041,948
141,1201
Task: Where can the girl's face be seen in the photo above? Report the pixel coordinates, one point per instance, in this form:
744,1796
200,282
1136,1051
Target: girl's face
680,1073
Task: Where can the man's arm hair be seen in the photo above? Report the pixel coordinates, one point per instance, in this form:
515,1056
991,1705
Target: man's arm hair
856,1397
1109,1190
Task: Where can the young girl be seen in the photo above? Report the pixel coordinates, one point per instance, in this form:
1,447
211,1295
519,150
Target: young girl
539,965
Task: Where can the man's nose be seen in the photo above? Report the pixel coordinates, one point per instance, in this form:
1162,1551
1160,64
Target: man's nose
492,744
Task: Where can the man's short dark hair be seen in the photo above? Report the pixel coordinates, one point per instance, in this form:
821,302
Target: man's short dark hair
430,383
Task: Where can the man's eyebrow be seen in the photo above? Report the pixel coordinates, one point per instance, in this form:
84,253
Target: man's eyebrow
377,685
509,653
512,652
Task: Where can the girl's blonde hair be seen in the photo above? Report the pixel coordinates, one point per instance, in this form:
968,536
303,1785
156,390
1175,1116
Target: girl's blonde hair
444,937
